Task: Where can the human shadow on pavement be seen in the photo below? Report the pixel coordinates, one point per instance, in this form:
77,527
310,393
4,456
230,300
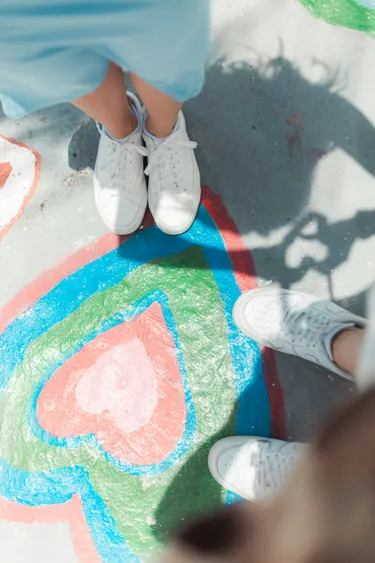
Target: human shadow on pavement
262,128
258,148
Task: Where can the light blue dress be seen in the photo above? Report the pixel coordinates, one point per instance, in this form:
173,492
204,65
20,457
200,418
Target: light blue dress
54,51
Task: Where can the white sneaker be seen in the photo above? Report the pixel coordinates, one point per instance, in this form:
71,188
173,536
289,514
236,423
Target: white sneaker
253,468
294,323
174,190
119,182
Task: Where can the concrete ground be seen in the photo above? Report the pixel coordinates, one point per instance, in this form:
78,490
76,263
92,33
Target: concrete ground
285,127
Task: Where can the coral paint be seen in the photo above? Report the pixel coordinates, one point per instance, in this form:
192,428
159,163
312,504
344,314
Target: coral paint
116,388
19,177
94,301
70,512
5,170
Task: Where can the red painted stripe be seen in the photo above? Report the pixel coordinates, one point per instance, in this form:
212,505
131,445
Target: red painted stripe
245,274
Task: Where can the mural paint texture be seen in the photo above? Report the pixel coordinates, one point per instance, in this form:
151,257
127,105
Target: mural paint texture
356,14
19,176
121,372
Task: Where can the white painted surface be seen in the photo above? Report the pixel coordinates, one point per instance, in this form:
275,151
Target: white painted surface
36,543
19,182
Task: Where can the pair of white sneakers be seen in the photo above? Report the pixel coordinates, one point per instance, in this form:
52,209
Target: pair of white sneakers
294,323
120,189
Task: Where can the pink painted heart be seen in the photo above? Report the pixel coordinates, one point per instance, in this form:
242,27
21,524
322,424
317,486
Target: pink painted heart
122,389
115,384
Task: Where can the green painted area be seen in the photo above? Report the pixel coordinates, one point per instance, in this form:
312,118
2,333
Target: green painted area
345,13
145,509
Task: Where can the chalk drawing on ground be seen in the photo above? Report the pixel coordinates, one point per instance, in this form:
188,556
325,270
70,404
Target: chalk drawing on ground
19,176
124,458
355,14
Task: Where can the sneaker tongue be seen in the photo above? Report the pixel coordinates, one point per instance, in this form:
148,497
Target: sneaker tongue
258,448
152,140
155,141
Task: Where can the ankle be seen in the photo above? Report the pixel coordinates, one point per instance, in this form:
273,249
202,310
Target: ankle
123,130
346,347
123,127
158,129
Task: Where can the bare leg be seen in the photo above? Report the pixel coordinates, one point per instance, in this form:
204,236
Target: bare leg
346,348
109,105
162,110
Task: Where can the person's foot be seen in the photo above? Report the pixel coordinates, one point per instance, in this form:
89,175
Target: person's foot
253,468
294,323
174,190
119,181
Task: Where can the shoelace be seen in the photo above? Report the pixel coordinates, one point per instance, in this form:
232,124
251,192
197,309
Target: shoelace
161,159
272,469
120,160
305,327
